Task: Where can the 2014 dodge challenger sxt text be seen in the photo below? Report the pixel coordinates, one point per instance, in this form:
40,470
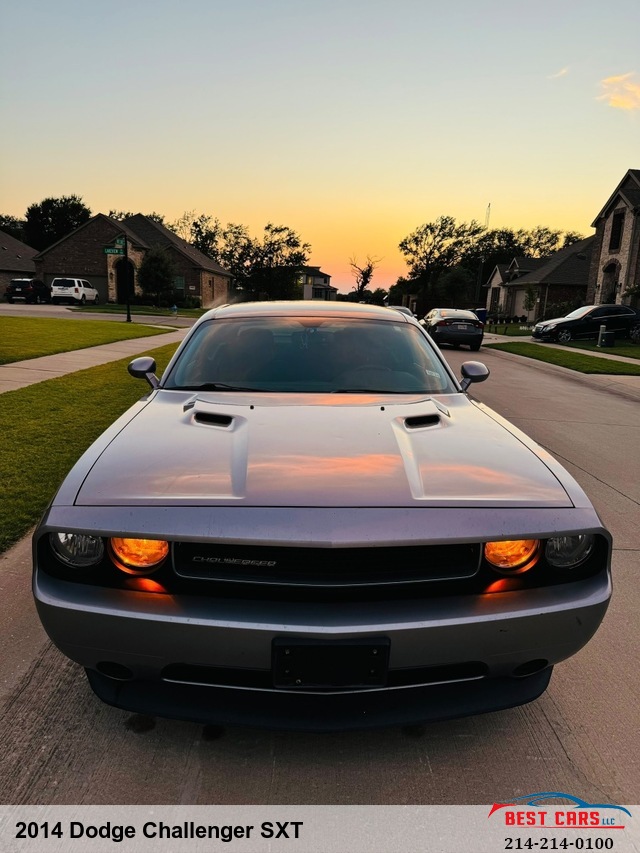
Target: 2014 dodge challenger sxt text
308,523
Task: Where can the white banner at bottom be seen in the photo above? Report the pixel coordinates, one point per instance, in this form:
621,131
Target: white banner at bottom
318,829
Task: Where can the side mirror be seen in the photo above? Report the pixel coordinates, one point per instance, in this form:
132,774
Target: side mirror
473,371
144,368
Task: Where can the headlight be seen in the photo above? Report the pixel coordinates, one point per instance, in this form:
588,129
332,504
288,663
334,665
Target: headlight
566,552
512,557
138,556
77,549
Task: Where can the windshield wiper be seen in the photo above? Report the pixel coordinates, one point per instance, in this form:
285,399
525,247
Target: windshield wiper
372,391
217,386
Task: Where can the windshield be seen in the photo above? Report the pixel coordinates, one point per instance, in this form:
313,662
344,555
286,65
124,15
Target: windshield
579,312
309,355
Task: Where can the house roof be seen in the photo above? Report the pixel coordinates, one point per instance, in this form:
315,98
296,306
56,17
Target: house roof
15,256
158,236
118,227
628,190
569,266
525,265
499,272
145,233
315,271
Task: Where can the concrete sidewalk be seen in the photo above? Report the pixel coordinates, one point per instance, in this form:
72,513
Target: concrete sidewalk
20,374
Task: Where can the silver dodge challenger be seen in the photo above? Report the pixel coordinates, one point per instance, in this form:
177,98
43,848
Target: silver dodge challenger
308,523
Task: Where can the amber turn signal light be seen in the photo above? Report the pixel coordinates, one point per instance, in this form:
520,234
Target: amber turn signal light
138,556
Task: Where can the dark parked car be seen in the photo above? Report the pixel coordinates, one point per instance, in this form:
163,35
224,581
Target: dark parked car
30,289
454,326
585,322
307,522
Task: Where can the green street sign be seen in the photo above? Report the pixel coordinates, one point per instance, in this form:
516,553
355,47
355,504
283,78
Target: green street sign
109,250
119,241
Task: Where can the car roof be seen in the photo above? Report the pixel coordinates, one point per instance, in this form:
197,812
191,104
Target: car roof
454,311
308,308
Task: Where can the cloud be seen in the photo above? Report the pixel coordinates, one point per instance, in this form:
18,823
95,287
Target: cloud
561,73
621,91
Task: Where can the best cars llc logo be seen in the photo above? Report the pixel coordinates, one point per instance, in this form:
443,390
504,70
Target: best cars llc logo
554,809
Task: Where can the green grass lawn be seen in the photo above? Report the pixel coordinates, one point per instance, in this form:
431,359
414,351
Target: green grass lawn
46,427
31,337
110,308
622,347
567,358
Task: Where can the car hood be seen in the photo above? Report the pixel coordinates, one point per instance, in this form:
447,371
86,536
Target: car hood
555,320
326,450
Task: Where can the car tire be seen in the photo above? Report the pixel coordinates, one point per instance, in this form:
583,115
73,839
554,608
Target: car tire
474,347
96,301
9,300
83,300
564,336
634,334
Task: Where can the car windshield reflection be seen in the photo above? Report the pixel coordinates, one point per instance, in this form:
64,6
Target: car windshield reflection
309,355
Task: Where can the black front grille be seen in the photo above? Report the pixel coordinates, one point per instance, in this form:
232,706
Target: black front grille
325,567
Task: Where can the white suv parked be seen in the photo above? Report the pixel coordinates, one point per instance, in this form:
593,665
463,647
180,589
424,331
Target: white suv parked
73,290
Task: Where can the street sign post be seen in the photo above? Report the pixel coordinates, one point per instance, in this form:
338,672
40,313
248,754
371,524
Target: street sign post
120,248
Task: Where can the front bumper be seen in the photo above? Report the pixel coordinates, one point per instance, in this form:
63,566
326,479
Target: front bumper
319,712
201,658
544,335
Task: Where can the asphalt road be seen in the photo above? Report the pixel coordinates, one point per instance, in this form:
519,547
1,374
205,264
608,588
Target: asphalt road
61,745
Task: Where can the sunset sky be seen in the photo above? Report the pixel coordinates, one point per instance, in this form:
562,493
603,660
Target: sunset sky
352,122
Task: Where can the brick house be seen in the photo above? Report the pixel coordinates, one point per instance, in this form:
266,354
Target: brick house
558,279
16,260
615,265
82,254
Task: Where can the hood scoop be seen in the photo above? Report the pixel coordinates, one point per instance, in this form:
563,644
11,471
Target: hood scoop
421,421
202,414
212,419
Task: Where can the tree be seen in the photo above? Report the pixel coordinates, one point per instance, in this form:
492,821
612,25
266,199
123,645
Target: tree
156,275
237,253
539,242
362,275
54,218
530,298
571,237
498,246
276,264
120,215
265,268
205,235
435,247
13,226
455,288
